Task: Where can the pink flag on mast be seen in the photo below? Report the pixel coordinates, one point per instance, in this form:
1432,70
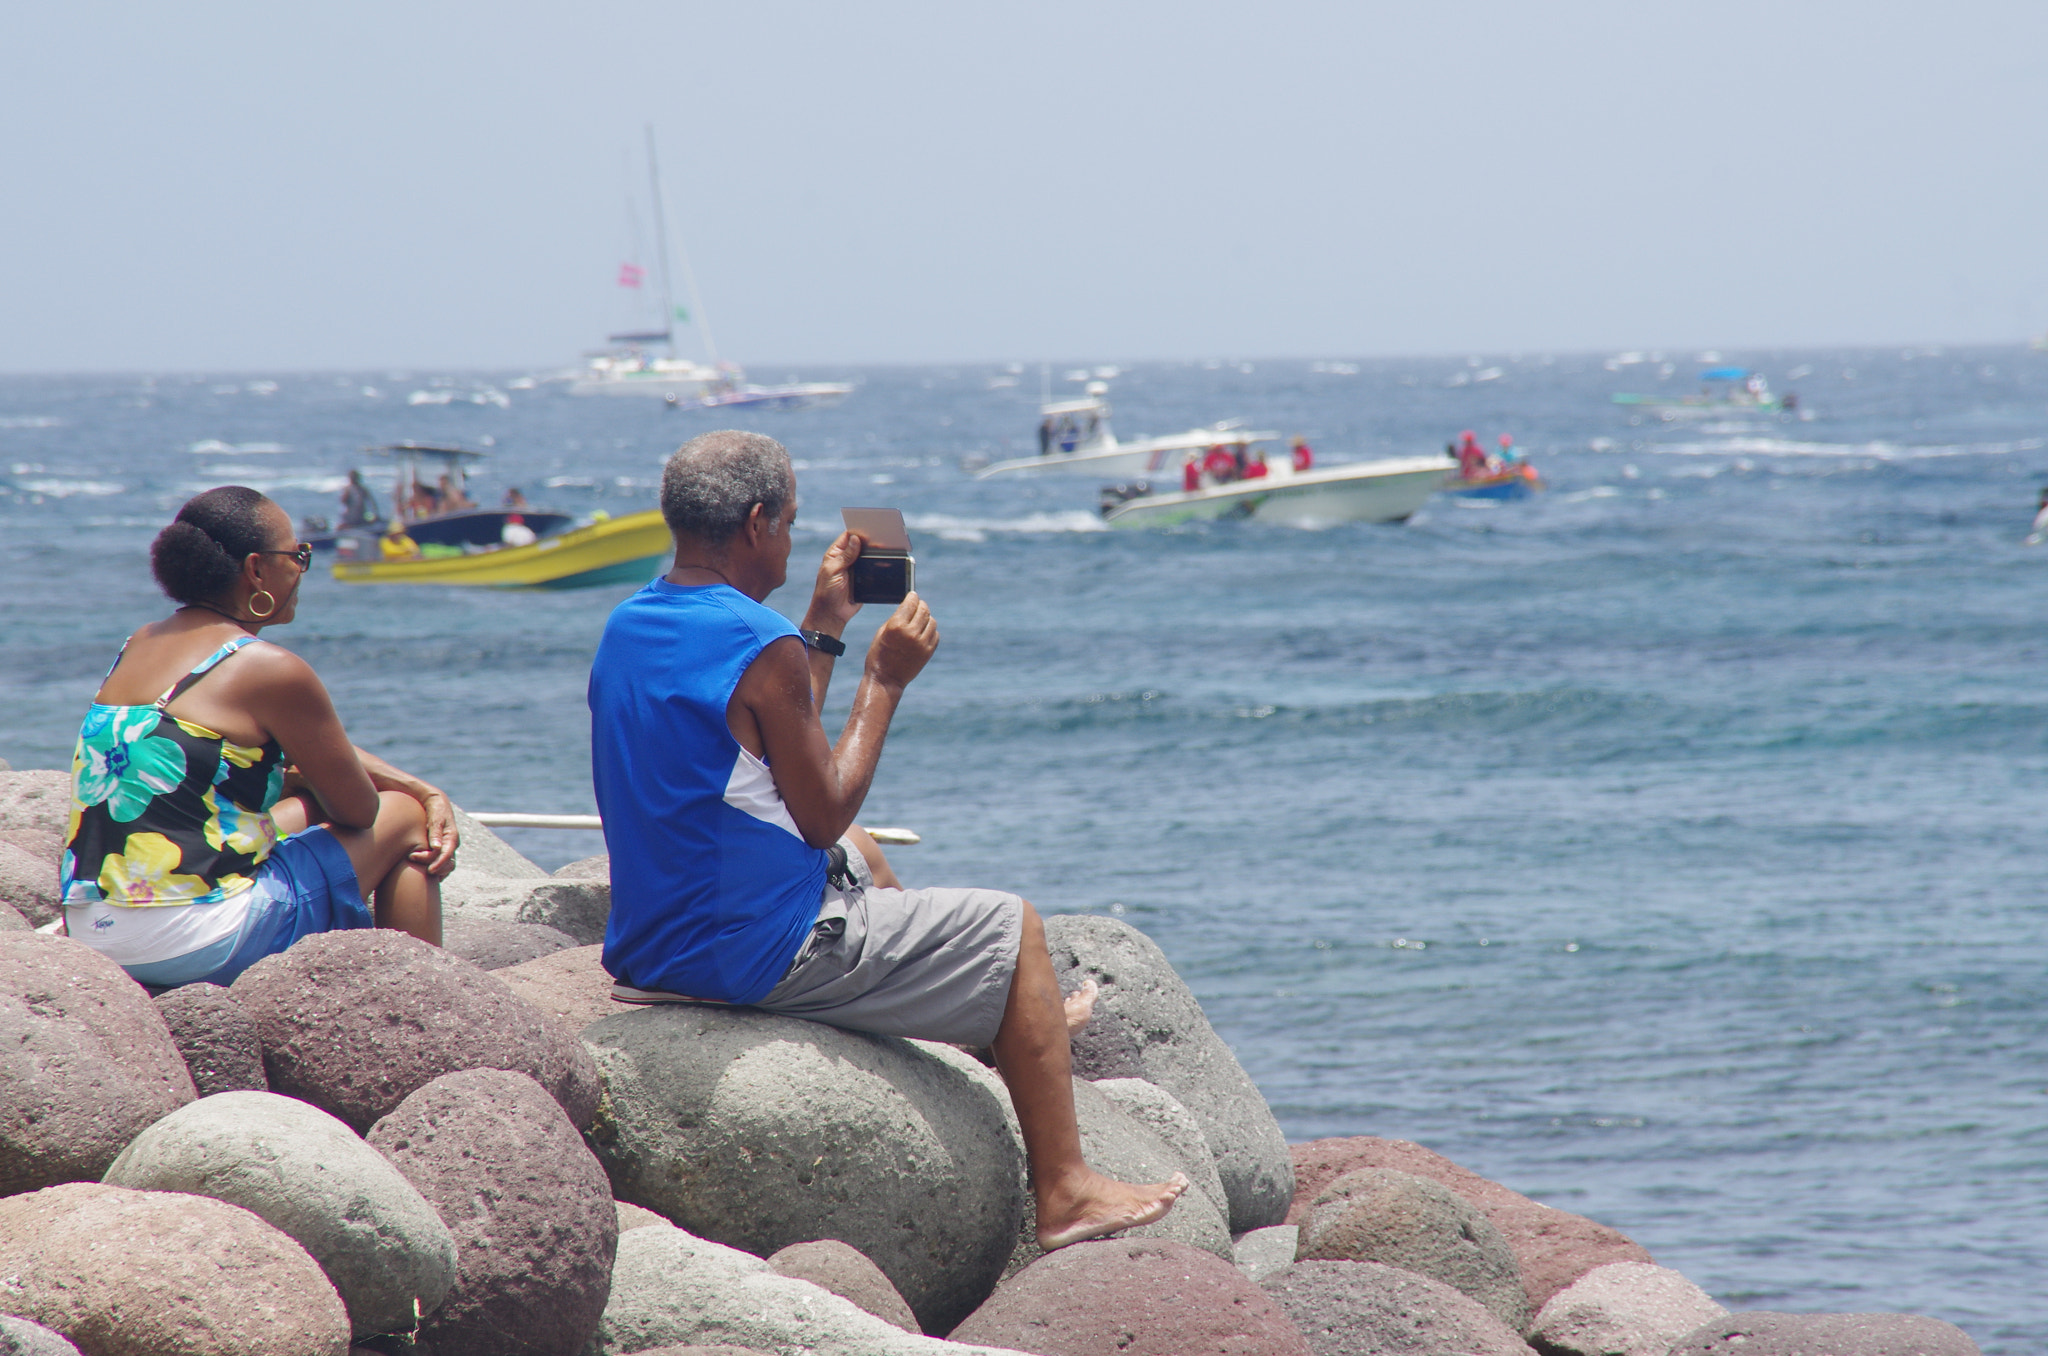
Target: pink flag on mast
630,275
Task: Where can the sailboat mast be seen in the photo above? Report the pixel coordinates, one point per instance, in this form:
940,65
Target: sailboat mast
668,306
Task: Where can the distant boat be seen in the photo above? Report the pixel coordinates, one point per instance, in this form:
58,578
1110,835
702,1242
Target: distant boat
630,365
1518,481
1075,436
1385,491
610,551
1722,390
470,526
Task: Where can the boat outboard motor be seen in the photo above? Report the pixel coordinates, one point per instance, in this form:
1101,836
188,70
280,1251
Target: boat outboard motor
1112,495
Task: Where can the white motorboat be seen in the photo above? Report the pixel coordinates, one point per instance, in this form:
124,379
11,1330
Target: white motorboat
1385,491
1075,436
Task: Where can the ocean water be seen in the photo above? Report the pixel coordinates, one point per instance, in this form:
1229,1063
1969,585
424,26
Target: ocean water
1667,847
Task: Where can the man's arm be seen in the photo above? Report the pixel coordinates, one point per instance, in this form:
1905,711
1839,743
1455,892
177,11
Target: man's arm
774,716
832,606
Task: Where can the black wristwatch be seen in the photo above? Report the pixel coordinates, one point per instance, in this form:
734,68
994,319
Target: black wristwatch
822,643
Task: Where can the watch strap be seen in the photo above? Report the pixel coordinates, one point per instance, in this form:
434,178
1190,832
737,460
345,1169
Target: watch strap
822,643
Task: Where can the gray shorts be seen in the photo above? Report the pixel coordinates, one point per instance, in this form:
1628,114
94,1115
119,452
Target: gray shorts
932,964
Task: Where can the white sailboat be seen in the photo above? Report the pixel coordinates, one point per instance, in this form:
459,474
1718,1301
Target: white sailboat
630,365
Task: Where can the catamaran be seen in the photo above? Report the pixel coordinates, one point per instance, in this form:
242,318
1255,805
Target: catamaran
1074,435
630,365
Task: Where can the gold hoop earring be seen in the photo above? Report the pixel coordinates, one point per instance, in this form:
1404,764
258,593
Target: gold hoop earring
268,609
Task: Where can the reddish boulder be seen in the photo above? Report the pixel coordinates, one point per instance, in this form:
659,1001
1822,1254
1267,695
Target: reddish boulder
1553,1247
159,1273
570,986
1401,1220
354,1022
531,1211
847,1273
216,1038
1135,1297
493,944
1762,1333
86,1062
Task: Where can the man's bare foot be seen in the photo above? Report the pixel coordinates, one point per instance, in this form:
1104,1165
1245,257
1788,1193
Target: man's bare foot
1080,1005
1102,1205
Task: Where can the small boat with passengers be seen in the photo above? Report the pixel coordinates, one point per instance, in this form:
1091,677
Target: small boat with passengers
606,550
1292,491
437,515
1075,436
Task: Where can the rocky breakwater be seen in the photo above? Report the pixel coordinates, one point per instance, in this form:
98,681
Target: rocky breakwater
369,1140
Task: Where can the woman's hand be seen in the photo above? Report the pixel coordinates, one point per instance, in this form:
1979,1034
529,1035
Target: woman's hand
437,858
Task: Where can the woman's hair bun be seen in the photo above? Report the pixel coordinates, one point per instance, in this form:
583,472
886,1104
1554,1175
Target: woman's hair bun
196,558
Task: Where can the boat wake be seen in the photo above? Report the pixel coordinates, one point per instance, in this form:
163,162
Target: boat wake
1880,451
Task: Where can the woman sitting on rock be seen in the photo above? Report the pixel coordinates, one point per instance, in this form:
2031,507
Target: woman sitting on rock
219,812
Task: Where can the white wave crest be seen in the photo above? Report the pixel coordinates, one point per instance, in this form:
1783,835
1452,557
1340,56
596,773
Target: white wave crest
55,488
214,447
1877,450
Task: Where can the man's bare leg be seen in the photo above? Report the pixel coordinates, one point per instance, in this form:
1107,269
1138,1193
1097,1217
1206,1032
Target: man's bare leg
1074,1201
871,852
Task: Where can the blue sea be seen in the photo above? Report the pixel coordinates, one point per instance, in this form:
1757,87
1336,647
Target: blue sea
1667,847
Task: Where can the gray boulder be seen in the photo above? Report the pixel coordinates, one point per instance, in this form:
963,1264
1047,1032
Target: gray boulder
1262,1252
153,1273
1763,1333
19,1337
530,1209
570,986
1177,1049
1118,1146
1378,1215
637,1217
86,1062
577,908
670,1289
216,1038
1367,1309
587,868
1132,1297
307,1175
1554,1247
354,1022
1623,1309
490,944
483,855
867,1139
492,882
28,884
35,814
1161,1112
12,920
832,1265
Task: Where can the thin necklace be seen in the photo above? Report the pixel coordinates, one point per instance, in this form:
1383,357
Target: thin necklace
708,570
209,607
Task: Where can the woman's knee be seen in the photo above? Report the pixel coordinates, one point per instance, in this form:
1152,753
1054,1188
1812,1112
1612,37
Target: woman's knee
400,815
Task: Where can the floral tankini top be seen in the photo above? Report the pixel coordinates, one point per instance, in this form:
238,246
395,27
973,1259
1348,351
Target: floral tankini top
164,811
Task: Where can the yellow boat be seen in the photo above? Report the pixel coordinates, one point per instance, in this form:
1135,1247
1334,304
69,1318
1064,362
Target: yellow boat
610,551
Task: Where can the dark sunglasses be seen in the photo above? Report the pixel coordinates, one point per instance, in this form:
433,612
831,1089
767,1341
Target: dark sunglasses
302,554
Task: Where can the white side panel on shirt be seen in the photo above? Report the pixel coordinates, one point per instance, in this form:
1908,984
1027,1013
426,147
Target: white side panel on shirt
751,789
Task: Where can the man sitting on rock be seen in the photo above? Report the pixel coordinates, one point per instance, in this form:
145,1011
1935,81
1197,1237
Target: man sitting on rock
737,875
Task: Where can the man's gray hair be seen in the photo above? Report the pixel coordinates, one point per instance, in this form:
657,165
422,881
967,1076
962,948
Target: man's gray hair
714,480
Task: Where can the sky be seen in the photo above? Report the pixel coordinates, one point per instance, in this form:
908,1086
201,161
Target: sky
243,187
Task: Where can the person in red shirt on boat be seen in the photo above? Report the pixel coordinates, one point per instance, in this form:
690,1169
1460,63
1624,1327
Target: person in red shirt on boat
1220,465
1190,474
1304,456
1471,457
1256,468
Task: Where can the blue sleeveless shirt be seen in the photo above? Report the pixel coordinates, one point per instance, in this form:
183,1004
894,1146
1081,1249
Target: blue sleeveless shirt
713,887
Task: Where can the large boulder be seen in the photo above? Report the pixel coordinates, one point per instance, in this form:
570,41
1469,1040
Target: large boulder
490,944
1119,1146
492,882
1553,1247
151,1273
1763,1333
760,1131
85,1062
13,920
831,1265
1132,1297
28,884
1367,1309
1161,1112
532,1214
570,986
19,1337
587,868
354,1022
1262,1252
1176,1048
216,1038
1623,1309
1397,1218
35,813
673,1290
307,1175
